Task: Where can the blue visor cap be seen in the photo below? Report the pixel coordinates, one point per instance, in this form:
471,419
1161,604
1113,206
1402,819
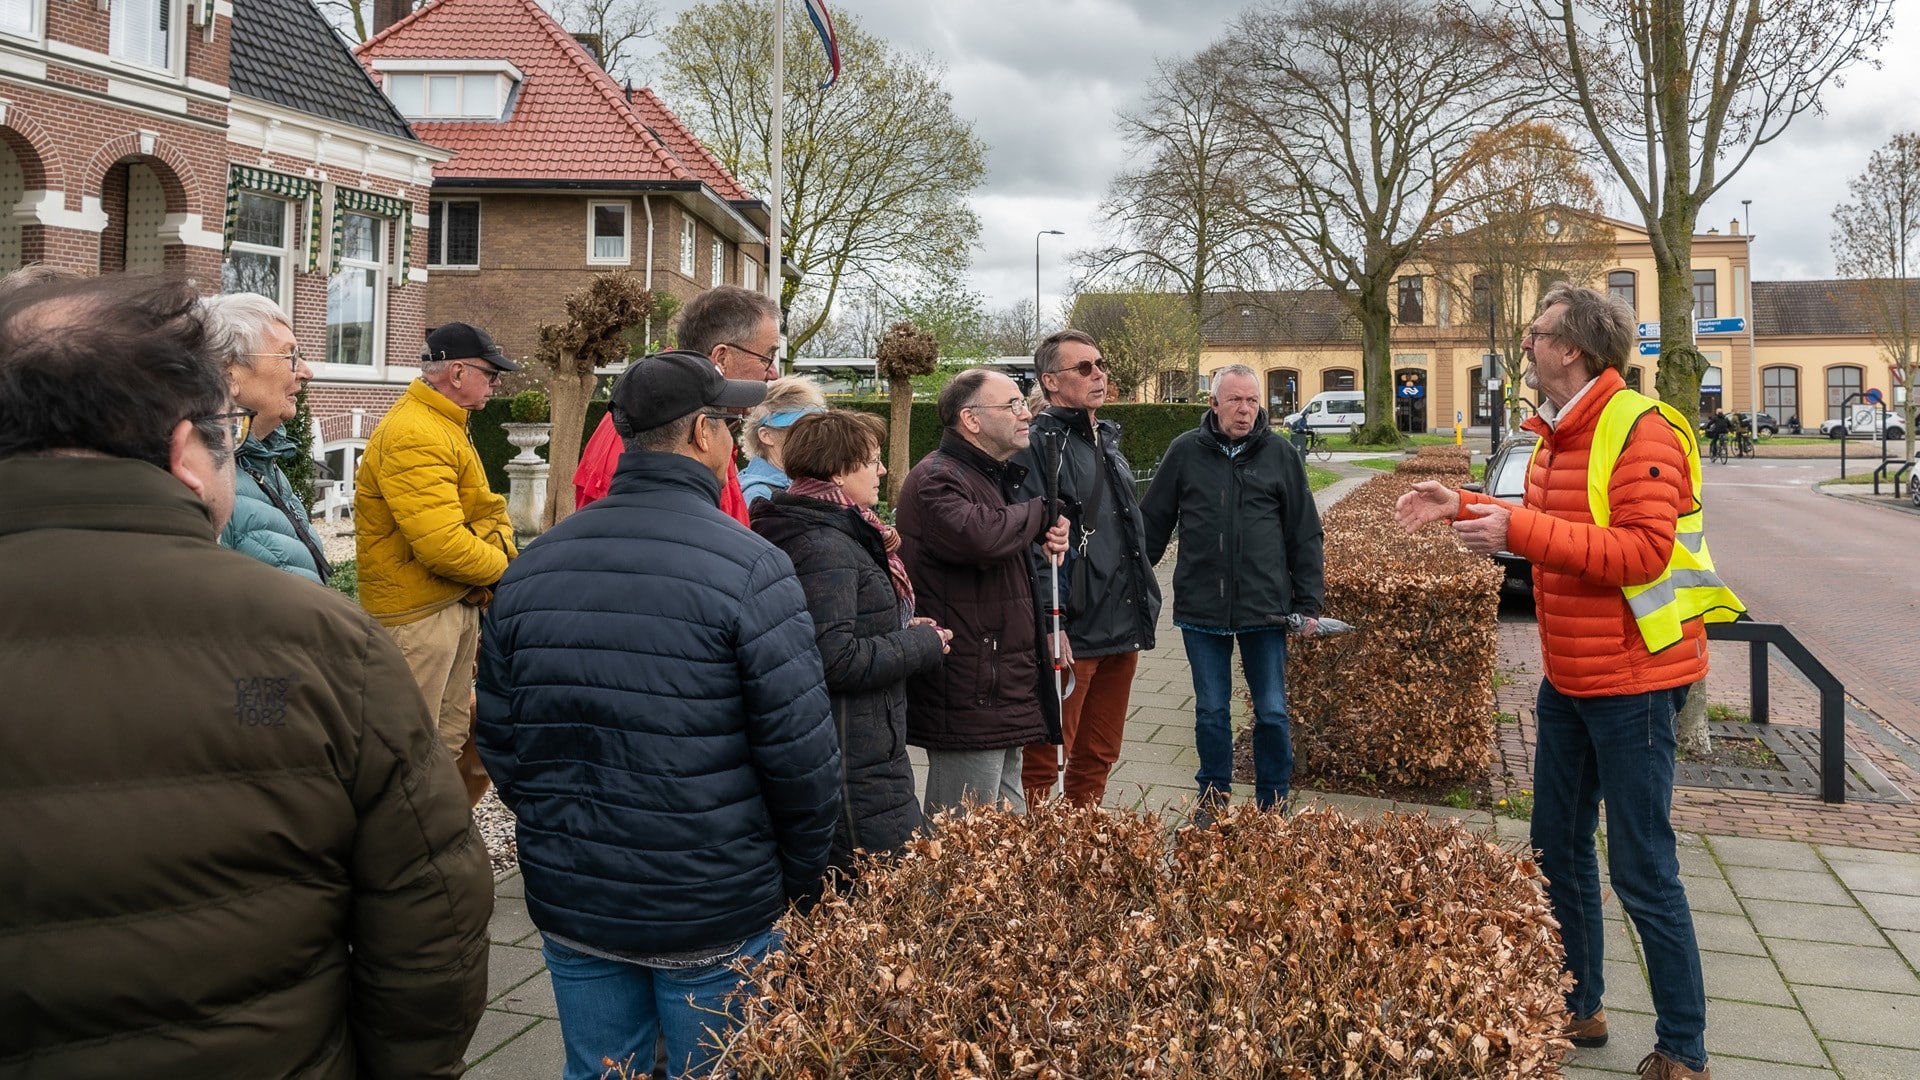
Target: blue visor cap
786,419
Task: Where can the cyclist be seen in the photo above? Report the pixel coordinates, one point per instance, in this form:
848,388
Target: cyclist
1718,428
1742,435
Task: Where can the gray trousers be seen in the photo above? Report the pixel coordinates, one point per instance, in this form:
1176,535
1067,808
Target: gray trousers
984,775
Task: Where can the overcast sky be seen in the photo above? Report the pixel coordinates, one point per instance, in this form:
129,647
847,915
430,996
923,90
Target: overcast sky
1041,81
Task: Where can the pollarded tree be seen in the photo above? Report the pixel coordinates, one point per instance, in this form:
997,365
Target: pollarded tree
1677,96
878,168
595,335
906,351
1876,241
1363,116
1531,215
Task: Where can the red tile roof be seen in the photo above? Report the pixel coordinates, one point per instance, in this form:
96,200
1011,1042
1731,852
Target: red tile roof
568,120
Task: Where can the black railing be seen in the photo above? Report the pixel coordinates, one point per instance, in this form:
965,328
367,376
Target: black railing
1898,475
1833,702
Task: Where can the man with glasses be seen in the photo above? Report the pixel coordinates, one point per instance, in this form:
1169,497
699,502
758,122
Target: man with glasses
739,330
653,707
233,845
964,540
1250,556
431,535
1112,598
1622,586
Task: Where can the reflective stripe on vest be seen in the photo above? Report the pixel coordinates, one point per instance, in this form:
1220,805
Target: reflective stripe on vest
1688,588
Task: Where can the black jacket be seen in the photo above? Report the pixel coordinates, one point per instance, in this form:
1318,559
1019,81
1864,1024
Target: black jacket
1123,600
652,707
868,652
1250,544
966,551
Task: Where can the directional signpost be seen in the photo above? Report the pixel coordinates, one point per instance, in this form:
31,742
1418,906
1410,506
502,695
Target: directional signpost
1732,324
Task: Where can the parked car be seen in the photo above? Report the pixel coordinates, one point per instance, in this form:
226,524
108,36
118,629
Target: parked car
1865,423
1765,424
1506,480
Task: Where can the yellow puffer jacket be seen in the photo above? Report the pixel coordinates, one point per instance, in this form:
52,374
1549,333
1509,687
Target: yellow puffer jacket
427,527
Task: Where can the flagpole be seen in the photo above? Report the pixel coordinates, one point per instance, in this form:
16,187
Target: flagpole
779,137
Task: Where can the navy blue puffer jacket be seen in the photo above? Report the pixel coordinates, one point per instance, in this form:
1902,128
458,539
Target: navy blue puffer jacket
652,708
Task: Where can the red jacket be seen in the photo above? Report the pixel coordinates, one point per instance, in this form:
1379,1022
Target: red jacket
1589,643
601,456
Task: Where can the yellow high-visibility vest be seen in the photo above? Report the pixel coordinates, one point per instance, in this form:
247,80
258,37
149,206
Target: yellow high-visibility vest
1688,588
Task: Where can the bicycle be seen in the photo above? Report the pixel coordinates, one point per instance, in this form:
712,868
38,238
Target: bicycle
1717,453
1743,444
1317,447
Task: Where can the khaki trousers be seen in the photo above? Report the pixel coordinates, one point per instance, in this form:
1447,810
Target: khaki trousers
440,652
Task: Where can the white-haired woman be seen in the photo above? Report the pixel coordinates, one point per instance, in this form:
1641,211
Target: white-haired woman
788,399
252,336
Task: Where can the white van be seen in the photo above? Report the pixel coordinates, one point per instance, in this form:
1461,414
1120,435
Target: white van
1335,410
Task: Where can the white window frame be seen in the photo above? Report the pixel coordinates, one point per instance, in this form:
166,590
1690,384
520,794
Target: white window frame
749,272
717,254
689,236
489,107
36,28
174,41
382,284
626,232
287,252
435,259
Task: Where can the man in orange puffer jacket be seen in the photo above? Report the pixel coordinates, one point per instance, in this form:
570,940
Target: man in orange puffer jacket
1612,490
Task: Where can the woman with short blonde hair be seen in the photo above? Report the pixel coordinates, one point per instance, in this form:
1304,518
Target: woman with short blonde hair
788,399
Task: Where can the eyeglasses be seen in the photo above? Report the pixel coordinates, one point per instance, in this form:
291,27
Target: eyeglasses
772,362
294,359
491,374
1014,407
1085,367
733,422
1532,335
238,423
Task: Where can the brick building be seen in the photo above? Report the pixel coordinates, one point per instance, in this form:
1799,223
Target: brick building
559,174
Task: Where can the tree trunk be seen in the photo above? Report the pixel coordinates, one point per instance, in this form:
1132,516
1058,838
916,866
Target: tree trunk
568,394
1694,740
1678,380
900,430
1376,367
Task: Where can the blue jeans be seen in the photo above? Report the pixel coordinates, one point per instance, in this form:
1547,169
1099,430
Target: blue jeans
610,1009
1618,750
1263,656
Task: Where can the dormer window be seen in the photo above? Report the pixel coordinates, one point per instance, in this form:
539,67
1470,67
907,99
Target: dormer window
448,89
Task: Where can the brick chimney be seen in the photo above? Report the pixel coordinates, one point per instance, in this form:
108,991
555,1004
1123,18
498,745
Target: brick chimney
388,12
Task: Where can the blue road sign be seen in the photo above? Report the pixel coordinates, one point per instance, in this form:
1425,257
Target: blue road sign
1412,391
1650,348
1732,324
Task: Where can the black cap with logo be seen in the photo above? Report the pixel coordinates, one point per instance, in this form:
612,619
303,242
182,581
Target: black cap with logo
465,341
664,387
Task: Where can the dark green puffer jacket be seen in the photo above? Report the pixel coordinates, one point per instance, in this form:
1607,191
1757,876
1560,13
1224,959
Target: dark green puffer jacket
232,844
269,522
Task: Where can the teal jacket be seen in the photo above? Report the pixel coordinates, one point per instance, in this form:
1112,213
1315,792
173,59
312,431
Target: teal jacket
269,523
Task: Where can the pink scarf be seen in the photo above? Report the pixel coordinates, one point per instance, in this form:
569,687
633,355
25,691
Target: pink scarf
828,491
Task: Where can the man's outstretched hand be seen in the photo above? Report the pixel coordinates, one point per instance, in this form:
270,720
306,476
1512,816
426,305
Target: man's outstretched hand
1428,502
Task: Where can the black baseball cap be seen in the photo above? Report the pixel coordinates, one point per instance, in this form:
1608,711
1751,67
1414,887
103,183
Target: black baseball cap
465,341
664,387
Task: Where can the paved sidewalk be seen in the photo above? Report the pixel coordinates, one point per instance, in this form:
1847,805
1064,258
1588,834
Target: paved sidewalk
1811,949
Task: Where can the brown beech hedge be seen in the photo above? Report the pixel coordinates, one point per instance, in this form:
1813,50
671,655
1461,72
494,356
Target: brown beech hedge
1408,698
1076,943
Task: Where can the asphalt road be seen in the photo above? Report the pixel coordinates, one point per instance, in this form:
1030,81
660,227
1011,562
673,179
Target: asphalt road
1842,575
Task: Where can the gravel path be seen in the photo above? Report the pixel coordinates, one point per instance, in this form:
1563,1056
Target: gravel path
495,822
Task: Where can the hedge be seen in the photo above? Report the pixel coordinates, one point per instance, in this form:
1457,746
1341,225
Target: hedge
1145,430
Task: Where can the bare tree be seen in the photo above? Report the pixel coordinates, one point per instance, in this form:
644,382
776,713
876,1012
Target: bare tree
1008,331
1876,241
1179,221
1677,96
594,335
1363,114
878,169
906,351
1531,215
616,28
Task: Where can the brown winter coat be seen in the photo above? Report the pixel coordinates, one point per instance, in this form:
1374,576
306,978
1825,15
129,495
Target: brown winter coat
232,844
966,551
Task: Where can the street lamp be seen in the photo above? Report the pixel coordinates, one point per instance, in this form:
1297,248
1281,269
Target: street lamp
1036,280
1754,389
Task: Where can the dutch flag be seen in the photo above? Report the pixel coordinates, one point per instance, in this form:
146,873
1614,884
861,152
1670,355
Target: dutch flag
823,24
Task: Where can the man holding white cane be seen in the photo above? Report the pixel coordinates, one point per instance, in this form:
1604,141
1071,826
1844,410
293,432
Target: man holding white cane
965,545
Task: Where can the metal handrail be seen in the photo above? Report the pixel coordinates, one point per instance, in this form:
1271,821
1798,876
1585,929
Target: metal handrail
1833,704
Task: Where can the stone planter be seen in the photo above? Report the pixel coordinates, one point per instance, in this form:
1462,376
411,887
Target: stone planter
527,478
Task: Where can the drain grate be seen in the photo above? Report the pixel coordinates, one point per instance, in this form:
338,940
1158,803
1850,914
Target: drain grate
1798,749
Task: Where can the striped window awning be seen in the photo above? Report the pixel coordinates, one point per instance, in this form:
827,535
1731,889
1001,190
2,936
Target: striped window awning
367,202
241,178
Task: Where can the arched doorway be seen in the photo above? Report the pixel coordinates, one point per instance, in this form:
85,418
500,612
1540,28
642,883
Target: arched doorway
1283,392
137,193
13,188
1410,400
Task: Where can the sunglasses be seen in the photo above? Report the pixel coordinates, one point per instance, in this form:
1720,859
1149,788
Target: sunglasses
1085,367
238,422
491,374
734,423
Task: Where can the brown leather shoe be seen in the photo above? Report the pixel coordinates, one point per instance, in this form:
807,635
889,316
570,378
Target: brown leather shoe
1587,1031
1658,1066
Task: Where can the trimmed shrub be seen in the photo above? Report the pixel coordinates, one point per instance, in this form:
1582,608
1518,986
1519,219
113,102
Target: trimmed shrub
346,578
1074,943
1408,698
529,407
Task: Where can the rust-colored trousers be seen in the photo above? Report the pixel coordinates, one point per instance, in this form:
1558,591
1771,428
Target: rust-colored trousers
1093,723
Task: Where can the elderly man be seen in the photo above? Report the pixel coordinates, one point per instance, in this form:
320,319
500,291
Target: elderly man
1250,556
653,706
1112,598
232,846
739,330
251,335
965,545
432,537
1622,585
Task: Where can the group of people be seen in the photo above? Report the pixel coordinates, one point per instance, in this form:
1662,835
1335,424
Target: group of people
696,694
